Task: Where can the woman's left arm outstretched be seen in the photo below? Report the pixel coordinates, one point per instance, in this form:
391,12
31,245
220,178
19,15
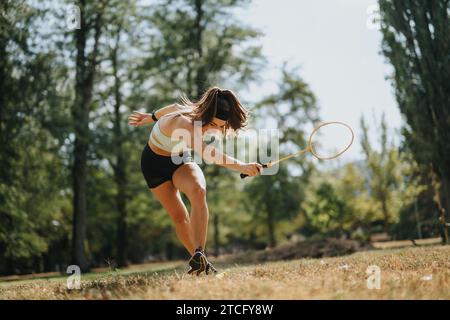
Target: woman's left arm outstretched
137,118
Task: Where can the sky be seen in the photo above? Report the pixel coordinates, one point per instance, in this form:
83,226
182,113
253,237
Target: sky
337,53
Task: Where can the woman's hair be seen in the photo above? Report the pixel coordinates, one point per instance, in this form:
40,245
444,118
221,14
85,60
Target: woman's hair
216,102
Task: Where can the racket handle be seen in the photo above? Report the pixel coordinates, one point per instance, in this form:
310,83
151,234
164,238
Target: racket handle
243,175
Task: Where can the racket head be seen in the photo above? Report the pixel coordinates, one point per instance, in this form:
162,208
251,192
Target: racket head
335,128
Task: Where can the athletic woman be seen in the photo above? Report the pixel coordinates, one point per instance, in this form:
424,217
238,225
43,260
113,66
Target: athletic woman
168,167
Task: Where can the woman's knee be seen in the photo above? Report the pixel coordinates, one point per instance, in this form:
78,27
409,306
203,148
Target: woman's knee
197,193
179,218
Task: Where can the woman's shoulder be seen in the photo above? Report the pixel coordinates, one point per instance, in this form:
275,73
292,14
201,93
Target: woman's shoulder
176,120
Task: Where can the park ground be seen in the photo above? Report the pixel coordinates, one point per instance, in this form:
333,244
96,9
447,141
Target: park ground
405,273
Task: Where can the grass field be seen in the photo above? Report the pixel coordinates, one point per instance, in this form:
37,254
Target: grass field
407,273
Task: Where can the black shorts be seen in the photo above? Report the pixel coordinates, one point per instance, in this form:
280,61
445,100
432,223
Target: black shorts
158,169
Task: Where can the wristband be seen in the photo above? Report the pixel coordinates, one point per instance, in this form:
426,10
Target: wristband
154,117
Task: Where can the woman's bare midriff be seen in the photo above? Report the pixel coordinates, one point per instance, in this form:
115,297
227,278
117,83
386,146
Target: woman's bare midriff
159,151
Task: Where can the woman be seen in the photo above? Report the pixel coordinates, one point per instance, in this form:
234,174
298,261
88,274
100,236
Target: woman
178,129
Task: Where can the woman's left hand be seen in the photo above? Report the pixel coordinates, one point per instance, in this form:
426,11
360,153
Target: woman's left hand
138,119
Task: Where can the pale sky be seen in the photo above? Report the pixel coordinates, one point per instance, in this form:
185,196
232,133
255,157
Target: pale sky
338,55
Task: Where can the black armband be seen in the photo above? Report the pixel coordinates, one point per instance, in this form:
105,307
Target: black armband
154,117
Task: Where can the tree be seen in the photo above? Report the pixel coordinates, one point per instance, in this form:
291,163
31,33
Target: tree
384,172
112,111
92,25
418,217
416,41
382,187
353,188
280,195
198,43
326,210
32,224
272,199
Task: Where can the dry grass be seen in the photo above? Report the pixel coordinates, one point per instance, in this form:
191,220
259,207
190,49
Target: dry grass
408,273
405,243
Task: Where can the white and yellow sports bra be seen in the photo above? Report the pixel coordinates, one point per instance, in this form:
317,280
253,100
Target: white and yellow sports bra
166,143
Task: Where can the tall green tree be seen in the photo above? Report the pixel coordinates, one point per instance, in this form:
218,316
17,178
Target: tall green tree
279,196
119,166
31,168
86,61
114,136
418,217
384,173
416,41
391,180
200,43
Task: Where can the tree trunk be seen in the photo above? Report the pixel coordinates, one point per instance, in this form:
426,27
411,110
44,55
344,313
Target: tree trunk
2,95
79,171
441,196
121,224
79,174
8,153
200,77
119,168
445,207
385,215
271,226
85,72
216,234
169,250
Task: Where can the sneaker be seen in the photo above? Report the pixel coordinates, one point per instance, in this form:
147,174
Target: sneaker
198,262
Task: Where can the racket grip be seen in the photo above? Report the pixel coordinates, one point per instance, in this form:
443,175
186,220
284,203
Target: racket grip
243,175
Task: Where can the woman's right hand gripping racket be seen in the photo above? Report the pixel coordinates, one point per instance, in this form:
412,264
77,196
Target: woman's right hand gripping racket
339,137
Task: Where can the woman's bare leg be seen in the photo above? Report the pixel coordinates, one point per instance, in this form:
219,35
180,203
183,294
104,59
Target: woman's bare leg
190,180
170,199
